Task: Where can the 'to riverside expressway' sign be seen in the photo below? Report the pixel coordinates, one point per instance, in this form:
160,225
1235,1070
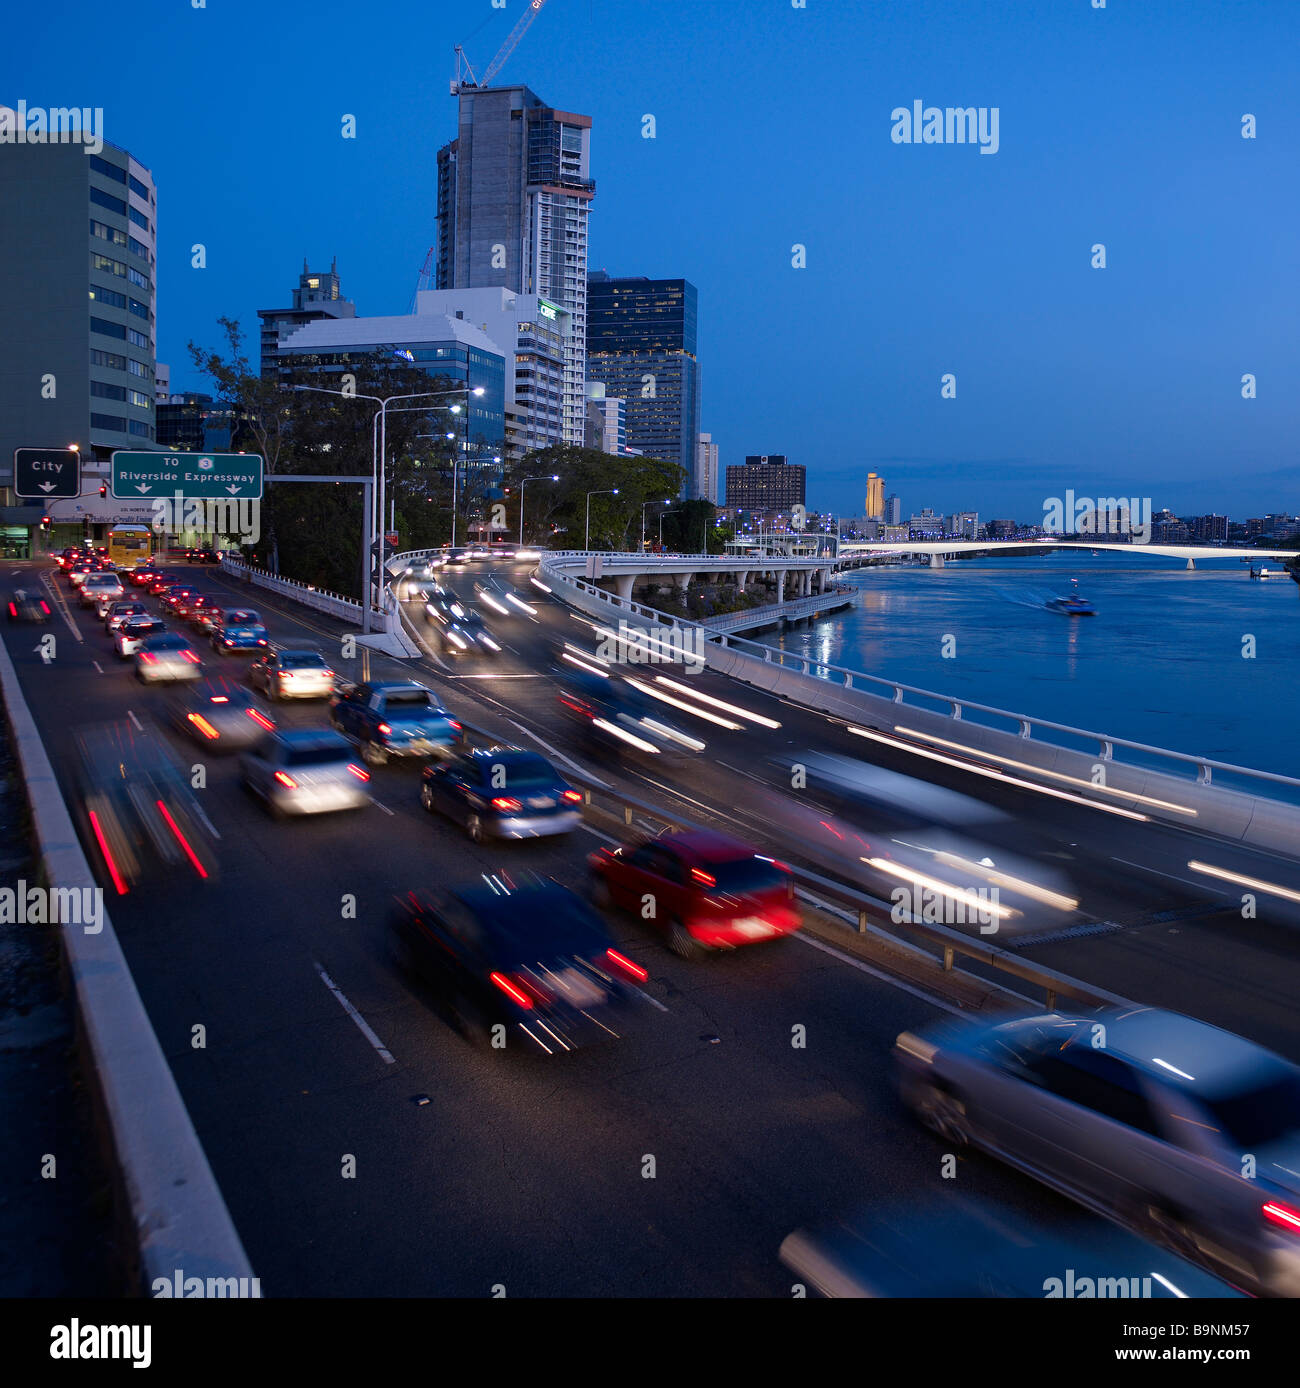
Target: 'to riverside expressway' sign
144,476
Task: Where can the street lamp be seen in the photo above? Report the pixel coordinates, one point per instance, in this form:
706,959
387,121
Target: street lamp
644,504
553,477
611,491
662,514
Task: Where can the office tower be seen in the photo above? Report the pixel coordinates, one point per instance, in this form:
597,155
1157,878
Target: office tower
641,343
162,383
317,296
606,420
893,510
514,195
77,315
535,337
766,483
437,343
706,469
875,496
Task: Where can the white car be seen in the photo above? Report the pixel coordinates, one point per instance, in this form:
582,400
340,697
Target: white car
134,632
101,587
292,675
117,612
167,656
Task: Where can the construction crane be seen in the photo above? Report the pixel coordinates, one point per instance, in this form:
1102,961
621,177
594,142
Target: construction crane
463,69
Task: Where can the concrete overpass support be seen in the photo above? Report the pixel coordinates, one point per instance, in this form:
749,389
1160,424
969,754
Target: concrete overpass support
623,585
936,561
742,578
681,582
1191,564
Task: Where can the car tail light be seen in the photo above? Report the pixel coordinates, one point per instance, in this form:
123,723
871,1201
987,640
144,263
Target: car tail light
1284,1216
118,880
45,607
229,642
191,657
286,674
506,802
182,840
261,640
203,725
359,772
286,780
260,718
627,965
384,729
219,699
514,993
13,609
148,658
574,797
701,876
455,725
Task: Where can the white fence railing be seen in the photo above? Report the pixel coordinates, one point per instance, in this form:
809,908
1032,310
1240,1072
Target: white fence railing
335,604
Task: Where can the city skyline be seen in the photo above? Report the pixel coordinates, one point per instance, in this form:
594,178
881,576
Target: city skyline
1119,403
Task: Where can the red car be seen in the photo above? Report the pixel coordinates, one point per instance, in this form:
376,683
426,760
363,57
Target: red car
159,582
708,891
142,575
178,601
201,610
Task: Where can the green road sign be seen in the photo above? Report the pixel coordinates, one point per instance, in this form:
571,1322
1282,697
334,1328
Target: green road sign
148,476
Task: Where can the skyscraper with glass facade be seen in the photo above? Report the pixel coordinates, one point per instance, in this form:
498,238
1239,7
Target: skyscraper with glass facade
641,343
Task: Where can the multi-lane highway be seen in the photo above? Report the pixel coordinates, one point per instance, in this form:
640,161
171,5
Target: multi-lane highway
365,1149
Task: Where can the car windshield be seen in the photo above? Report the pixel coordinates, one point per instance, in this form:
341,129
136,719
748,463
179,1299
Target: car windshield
242,619
1264,1112
527,926
519,771
133,626
168,643
746,875
315,756
301,662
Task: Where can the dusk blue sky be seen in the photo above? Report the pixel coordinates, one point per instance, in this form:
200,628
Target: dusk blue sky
1120,125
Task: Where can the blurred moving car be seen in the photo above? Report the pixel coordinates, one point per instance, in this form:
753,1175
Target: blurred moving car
76,571
178,599
165,657
141,813
96,588
1149,1117
118,612
953,1245
709,891
237,631
529,956
26,606
502,792
158,583
292,675
202,555
305,771
612,714
143,574
202,611
394,720
464,632
220,714
134,632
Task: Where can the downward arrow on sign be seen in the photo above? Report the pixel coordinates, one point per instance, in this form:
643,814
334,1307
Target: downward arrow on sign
233,490
143,488
47,486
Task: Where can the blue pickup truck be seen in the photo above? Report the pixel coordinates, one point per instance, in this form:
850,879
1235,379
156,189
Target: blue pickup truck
394,720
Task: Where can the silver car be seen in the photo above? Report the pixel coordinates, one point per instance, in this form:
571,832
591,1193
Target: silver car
165,658
118,612
101,589
1186,1133
306,772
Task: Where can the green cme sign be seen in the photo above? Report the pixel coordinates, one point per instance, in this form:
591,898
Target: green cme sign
145,476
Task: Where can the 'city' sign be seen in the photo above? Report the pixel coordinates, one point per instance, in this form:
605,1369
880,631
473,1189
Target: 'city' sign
47,472
145,476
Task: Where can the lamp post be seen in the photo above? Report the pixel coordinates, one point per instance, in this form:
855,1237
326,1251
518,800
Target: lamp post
644,504
609,491
662,514
552,477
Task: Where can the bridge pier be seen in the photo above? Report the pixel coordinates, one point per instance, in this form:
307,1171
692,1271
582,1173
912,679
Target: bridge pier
742,578
936,561
623,585
1191,564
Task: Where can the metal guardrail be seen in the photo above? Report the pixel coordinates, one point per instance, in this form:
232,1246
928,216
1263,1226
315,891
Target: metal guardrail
323,601
1021,725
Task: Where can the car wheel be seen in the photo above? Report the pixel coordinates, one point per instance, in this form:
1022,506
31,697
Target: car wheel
372,754
682,942
600,893
942,1112
426,798
474,828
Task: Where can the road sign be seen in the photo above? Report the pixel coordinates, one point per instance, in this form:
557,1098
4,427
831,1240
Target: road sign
392,537
228,476
47,472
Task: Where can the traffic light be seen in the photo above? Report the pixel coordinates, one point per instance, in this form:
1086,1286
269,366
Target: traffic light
103,490
45,522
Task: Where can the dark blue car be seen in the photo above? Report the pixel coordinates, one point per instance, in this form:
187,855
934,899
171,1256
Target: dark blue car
238,630
502,792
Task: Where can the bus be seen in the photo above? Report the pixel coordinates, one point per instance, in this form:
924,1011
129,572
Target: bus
129,545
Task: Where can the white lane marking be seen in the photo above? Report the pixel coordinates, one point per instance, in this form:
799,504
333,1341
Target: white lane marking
139,726
878,973
381,805
362,1025
208,824
597,833
99,668
555,752
57,598
1173,877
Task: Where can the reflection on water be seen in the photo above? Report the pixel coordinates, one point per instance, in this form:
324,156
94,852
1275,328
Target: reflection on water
1161,662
